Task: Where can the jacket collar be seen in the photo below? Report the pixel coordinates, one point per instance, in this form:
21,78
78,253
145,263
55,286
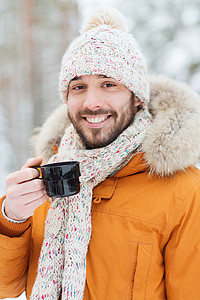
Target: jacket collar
171,144
136,165
106,188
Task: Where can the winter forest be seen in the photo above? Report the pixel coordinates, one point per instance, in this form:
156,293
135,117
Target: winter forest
34,36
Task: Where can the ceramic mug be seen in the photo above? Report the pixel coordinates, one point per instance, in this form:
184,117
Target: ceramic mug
60,179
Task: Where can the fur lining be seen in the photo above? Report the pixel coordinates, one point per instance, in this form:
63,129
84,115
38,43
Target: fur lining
50,134
172,142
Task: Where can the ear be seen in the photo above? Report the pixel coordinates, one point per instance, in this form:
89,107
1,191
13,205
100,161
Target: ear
137,101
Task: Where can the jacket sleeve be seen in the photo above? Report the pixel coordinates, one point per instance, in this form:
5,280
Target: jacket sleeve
14,254
182,254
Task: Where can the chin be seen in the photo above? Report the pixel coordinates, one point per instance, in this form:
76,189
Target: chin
97,143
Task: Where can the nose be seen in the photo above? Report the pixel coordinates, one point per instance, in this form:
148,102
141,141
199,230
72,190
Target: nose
93,99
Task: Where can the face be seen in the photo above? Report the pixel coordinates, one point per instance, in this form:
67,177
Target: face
100,108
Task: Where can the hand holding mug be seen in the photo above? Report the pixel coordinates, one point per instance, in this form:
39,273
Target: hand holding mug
24,191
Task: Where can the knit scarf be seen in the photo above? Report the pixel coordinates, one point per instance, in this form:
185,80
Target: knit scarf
62,262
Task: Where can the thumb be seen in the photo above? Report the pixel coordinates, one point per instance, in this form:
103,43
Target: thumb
32,162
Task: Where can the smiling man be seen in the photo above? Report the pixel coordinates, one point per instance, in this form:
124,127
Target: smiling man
100,108
132,232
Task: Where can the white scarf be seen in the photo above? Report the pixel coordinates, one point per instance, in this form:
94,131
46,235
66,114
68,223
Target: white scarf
62,262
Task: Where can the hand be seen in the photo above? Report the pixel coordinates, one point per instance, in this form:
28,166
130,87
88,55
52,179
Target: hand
24,193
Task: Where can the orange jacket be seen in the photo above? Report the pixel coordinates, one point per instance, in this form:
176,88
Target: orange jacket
145,240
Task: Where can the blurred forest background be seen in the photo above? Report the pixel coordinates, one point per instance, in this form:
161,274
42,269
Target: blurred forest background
34,35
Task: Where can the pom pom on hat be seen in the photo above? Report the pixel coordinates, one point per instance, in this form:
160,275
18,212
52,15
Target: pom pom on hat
105,47
101,16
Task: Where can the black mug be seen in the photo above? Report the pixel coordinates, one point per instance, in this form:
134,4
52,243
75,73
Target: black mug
60,179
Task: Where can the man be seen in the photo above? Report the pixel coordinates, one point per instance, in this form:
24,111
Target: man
133,230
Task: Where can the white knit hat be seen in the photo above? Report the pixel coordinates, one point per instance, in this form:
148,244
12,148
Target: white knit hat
104,47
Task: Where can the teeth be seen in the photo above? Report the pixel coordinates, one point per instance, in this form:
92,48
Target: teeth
95,120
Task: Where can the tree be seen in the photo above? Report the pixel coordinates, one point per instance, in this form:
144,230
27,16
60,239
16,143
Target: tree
168,32
34,36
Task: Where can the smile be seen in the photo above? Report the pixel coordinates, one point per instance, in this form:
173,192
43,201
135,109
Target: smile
96,121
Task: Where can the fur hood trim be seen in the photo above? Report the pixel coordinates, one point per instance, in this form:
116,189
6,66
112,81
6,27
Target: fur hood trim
50,134
172,143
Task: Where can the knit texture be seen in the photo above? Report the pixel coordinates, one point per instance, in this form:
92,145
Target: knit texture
106,49
62,262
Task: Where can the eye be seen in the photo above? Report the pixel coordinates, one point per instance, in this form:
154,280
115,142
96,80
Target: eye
109,84
78,87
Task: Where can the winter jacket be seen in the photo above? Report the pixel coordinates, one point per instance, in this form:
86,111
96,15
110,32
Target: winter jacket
145,241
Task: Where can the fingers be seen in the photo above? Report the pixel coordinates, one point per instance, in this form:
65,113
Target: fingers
24,211
22,176
35,200
24,192
32,187
31,207
25,188
32,162
34,197
19,207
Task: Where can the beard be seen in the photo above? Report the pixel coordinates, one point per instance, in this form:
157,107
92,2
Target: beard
100,137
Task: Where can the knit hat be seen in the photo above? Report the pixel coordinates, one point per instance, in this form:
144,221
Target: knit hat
105,47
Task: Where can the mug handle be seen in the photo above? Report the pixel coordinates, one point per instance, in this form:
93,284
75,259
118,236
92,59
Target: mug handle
39,169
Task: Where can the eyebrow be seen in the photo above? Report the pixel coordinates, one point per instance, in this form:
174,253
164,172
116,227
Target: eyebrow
81,77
